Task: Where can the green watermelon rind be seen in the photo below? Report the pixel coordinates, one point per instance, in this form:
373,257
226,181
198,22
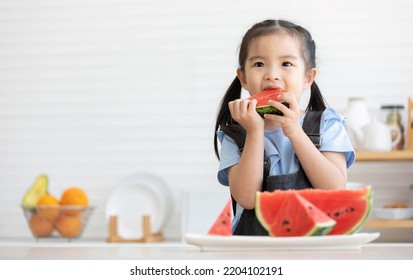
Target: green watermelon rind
262,110
322,228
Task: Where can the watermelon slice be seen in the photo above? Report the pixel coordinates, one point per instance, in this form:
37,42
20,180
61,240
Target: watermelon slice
223,224
299,217
348,208
263,97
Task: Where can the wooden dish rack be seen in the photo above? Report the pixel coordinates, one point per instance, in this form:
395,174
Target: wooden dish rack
148,235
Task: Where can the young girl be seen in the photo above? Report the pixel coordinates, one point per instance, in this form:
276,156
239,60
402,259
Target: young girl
294,151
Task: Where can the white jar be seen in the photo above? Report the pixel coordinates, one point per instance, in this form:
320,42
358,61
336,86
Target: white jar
358,116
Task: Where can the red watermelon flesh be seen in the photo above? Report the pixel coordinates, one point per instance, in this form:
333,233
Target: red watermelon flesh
223,224
299,217
263,97
349,208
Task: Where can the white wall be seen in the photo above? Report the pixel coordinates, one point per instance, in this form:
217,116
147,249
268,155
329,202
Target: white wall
92,91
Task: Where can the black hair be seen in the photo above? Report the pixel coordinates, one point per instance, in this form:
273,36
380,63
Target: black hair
316,103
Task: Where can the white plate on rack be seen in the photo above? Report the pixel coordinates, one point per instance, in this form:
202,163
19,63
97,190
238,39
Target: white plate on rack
393,213
267,243
136,196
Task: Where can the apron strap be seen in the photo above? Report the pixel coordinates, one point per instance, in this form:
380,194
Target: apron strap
311,126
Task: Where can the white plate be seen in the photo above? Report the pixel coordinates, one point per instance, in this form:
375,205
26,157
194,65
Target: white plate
393,213
138,195
355,185
266,243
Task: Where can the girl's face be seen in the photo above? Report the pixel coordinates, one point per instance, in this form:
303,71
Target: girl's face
276,61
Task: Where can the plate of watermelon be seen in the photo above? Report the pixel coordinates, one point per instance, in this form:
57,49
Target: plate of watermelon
297,219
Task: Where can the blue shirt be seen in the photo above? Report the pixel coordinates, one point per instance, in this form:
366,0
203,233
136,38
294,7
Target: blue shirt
279,149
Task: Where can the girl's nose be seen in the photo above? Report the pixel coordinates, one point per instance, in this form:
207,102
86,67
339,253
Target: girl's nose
272,75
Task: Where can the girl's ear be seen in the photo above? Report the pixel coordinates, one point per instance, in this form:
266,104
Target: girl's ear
309,78
241,77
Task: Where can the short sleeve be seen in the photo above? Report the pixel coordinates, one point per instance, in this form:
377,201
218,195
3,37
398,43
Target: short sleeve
334,136
228,157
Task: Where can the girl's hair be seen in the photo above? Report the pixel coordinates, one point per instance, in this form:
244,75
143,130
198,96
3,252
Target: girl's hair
316,103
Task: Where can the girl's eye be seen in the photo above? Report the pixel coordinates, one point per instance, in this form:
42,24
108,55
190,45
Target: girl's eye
258,64
287,64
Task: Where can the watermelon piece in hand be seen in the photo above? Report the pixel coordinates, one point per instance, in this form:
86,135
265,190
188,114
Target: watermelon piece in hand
223,224
263,97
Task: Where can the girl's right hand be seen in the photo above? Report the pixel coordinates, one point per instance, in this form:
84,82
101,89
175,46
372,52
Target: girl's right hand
244,112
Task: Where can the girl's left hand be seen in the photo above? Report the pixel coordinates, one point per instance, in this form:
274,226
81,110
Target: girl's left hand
290,121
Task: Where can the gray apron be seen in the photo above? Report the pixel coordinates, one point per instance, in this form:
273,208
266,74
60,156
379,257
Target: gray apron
248,223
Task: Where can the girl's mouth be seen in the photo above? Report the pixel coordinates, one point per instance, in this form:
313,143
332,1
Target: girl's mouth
272,88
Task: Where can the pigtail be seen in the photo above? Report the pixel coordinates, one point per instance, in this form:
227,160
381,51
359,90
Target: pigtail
224,121
316,102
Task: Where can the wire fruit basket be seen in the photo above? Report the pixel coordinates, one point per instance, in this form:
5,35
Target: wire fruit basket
65,222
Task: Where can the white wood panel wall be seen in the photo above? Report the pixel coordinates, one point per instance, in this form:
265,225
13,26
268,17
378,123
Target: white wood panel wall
92,91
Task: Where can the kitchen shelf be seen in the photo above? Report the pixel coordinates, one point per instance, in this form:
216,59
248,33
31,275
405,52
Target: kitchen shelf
399,155
403,155
389,224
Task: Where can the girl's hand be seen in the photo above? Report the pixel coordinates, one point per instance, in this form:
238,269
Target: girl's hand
290,121
244,112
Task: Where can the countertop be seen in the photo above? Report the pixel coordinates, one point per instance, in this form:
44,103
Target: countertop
99,249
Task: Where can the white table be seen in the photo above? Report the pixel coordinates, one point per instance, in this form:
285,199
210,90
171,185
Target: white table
29,249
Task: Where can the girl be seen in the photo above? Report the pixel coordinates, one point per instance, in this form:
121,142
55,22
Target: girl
294,151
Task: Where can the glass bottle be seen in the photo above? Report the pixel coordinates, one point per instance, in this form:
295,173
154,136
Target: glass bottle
394,121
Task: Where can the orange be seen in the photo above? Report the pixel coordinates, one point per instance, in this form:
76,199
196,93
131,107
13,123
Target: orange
68,226
40,226
48,207
74,196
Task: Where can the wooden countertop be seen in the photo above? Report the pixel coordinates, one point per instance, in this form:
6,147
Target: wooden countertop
404,155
